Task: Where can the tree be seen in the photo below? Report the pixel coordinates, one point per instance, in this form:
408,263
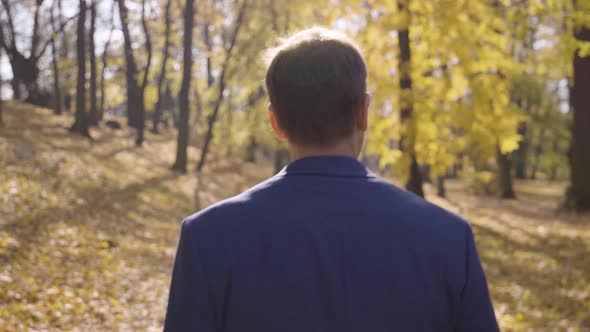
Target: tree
80,125
135,90
504,161
408,121
187,42
146,71
104,66
131,73
1,101
54,60
162,77
91,49
25,68
579,191
221,87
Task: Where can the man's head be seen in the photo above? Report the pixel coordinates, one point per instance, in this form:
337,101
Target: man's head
316,81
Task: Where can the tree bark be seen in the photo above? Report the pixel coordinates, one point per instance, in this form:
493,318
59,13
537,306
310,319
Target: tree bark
504,162
1,101
579,191
408,121
104,67
146,71
80,125
537,151
187,42
521,154
65,48
221,87
158,111
440,186
56,85
91,49
133,93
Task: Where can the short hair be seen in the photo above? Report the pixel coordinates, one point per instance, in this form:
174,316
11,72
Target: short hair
316,81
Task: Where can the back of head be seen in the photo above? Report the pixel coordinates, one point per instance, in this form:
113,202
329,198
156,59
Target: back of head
316,81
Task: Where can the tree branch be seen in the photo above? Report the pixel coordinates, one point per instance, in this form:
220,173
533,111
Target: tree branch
148,47
60,29
10,24
35,35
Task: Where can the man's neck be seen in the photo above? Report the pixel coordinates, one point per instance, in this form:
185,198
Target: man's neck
344,149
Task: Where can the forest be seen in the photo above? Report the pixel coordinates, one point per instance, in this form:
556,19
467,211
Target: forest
120,117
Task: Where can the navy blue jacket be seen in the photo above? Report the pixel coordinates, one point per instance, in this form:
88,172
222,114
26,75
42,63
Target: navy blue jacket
326,246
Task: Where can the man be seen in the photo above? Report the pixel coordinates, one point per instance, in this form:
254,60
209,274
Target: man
325,245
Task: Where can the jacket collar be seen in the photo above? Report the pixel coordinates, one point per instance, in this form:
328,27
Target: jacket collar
339,166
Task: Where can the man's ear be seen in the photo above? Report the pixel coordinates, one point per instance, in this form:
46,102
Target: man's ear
275,124
362,122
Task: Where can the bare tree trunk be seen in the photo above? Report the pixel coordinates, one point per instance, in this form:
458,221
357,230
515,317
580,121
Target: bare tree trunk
133,93
158,111
91,49
187,42
537,151
64,54
15,84
440,186
1,101
408,121
221,87
65,49
81,123
104,67
56,84
579,191
146,71
521,154
34,96
207,42
504,162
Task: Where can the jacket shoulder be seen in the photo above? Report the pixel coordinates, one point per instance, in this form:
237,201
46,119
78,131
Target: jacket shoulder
416,209
228,209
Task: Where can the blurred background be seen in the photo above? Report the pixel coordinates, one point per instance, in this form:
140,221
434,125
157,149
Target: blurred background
118,118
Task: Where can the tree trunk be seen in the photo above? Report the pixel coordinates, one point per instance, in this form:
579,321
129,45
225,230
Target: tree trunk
1,101
133,93
91,49
15,84
64,55
56,84
520,155
221,88
158,112
187,42
81,123
207,42
146,71
65,48
440,187
102,77
504,162
579,191
251,150
105,51
408,121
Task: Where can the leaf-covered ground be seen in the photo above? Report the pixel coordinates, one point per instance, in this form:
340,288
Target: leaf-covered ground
88,232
